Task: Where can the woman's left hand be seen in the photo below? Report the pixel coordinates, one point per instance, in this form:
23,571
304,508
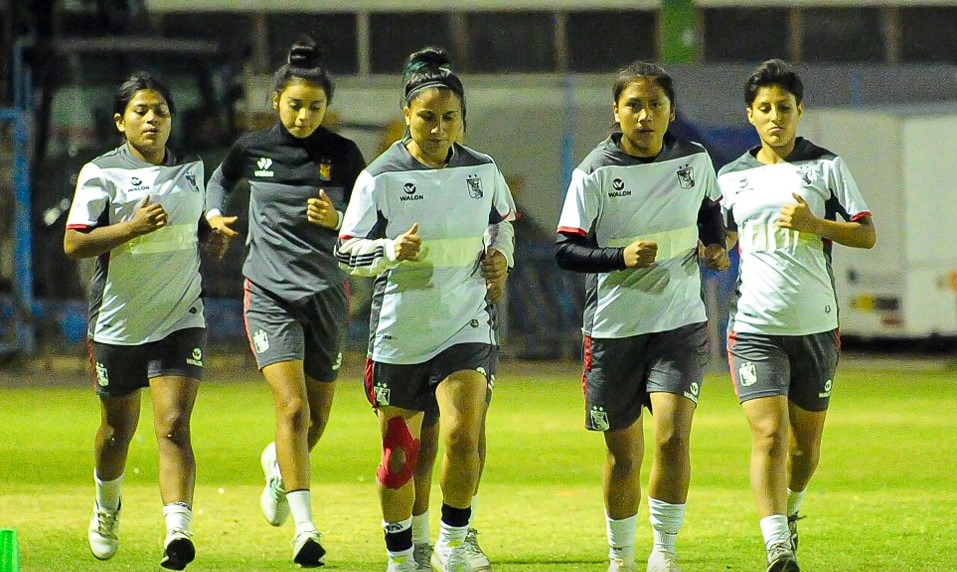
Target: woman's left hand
321,211
798,216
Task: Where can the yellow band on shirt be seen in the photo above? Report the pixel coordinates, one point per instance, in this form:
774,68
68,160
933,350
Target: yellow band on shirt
770,237
450,252
166,239
671,243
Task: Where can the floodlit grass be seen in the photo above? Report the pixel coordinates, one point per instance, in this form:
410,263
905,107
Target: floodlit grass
883,498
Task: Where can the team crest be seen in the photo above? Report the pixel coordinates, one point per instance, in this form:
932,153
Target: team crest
325,170
747,375
804,171
191,179
382,394
261,341
686,177
599,418
102,377
474,183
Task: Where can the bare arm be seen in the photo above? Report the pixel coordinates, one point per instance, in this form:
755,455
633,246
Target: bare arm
856,234
147,218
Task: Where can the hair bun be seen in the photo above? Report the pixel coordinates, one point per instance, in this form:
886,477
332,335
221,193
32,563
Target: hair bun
305,53
434,58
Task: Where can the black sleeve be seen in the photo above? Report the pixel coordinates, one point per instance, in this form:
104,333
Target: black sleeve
710,226
203,229
579,254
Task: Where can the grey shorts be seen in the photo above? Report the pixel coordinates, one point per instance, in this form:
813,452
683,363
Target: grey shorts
121,370
620,373
311,330
799,367
412,386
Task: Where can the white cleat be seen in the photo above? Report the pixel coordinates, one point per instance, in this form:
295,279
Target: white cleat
422,555
403,565
477,559
451,558
620,565
104,533
178,550
661,561
273,499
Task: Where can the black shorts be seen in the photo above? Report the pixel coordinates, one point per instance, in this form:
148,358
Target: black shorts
412,386
121,370
620,373
311,330
799,367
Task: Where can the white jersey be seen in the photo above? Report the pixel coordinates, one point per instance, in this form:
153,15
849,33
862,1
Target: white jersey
421,308
616,199
785,284
150,286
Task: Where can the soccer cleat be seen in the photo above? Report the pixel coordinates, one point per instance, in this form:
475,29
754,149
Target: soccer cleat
793,529
621,565
179,550
273,500
781,558
104,533
422,555
405,565
306,549
477,559
662,561
451,558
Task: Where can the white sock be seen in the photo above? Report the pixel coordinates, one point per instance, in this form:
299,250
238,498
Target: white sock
420,529
621,537
300,506
178,516
449,535
472,515
108,492
794,501
666,520
774,528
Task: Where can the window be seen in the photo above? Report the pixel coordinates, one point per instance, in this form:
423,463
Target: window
928,35
510,42
745,35
230,30
843,35
601,41
335,32
395,36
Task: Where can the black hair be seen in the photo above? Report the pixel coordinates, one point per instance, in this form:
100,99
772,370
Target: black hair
304,61
773,72
139,81
430,67
655,73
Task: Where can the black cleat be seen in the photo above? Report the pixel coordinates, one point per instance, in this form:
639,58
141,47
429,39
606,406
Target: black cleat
179,550
307,552
793,529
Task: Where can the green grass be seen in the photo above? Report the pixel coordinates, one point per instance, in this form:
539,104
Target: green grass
883,498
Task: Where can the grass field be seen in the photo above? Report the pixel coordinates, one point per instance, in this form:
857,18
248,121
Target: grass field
883,499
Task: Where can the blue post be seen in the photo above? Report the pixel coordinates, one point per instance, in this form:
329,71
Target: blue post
22,233
568,132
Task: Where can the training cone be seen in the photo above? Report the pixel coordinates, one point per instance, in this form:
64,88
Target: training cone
9,553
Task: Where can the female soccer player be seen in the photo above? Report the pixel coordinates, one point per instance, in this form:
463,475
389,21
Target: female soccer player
782,200
296,308
424,215
140,212
640,211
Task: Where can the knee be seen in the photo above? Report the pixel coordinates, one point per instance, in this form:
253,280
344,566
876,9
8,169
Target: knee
400,451
173,426
624,462
460,442
769,438
294,412
671,445
117,434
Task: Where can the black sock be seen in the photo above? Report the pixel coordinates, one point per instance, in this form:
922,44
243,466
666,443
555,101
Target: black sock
457,517
398,541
